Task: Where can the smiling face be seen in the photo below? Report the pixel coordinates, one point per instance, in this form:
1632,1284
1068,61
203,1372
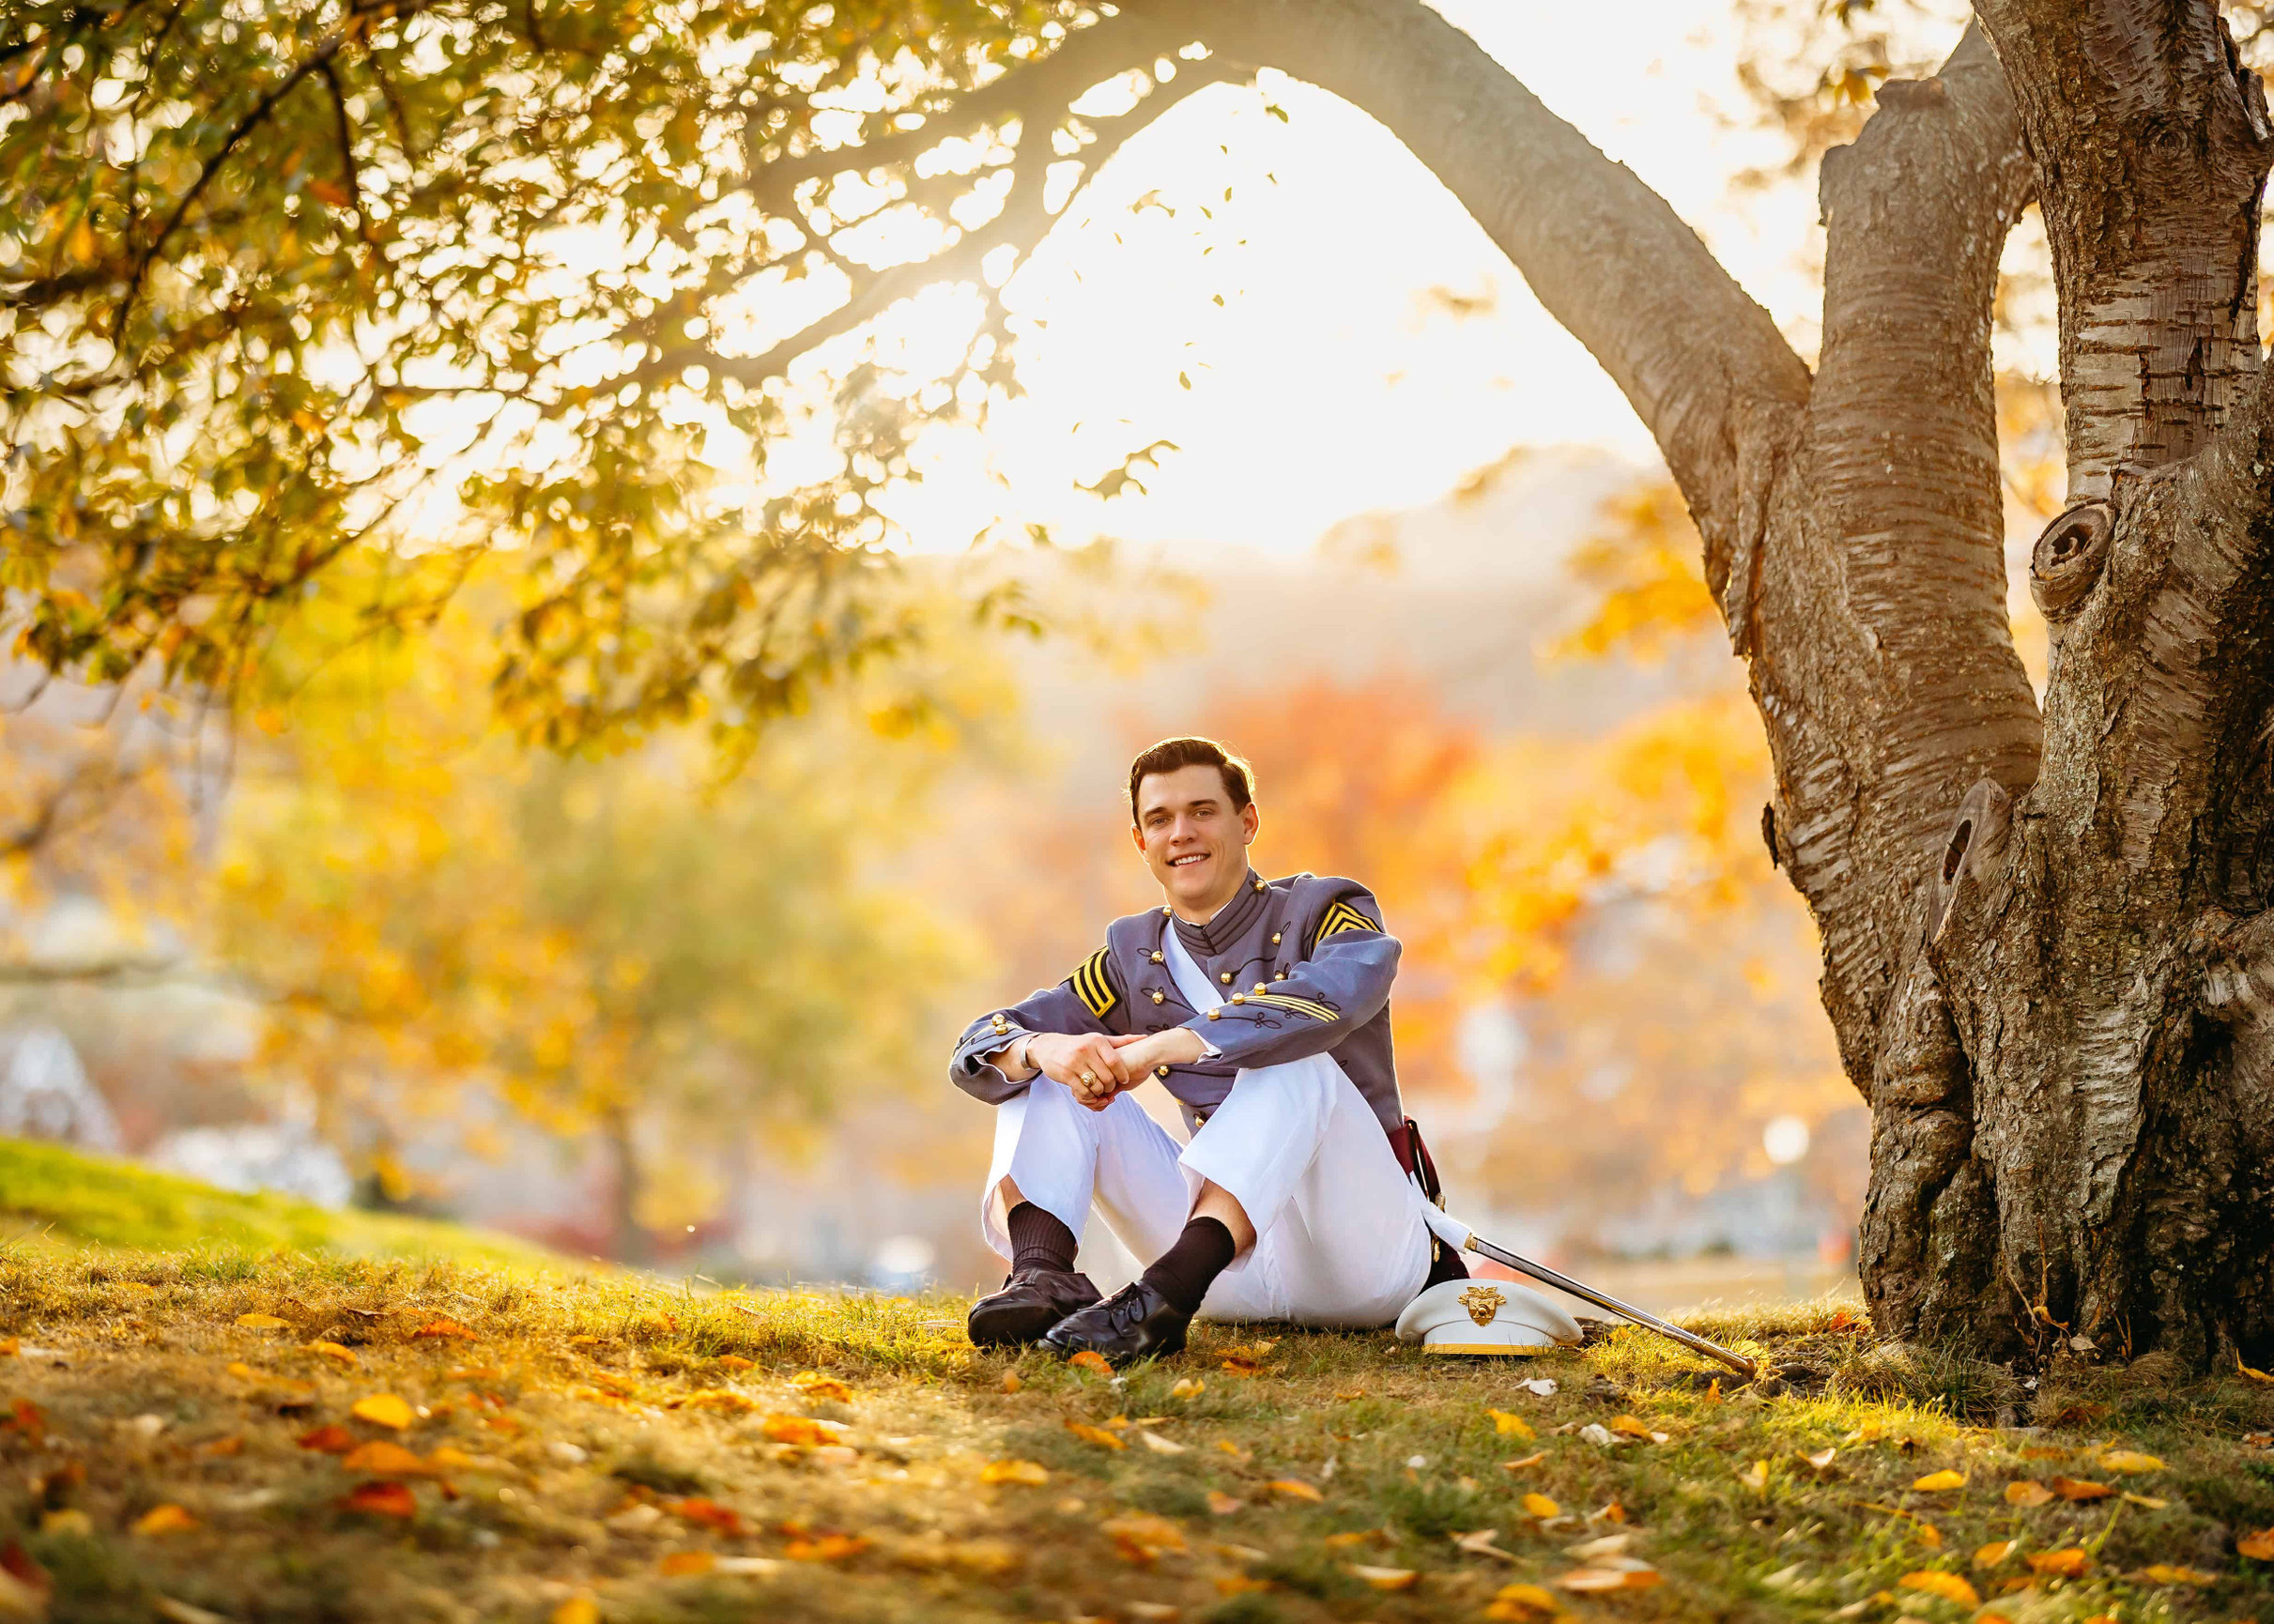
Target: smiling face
1193,841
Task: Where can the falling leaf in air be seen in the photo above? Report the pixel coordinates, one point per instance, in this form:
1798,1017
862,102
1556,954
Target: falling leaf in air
1950,1587
1188,1387
816,1386
578,1609
2130,1461
1158,1444
2078,1489
1223,1505
1141,1537
1989,1556
1940,1482
686,1564
1518,1464
2259,1547
383,1409
1540,1506
1027,1472
383,1498
263,1323
1510,1426
383,1458
167,1518
2025,1492
1523,1604
1097,1435
1385,1578
829,1548
1293,1489
330,1439
2168,1573
2067,1564
1818,1462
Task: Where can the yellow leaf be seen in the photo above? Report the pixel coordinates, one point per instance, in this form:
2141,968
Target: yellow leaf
263,1323
1229,1447
1011,1383
1028,1472
2130,1461
578,1609
243,1371
1097,1435
1941,1482
167,1518
682,1564
802,1431
1223,1505
2166,1574
1757,1476
1141,1536
2027,1493
383,1458
2068,1564
1385,1578
1630,1427
1594,1579
1518,1464
2259,1547
1188,1387
736,1362
2254,1376
1346,1394
1293,1489
329,1351
1541,1505
1090,1360
1992,1554
724,1400
1510,1426
2078,1489
1344,1541
1523,1604
1820,1459
382,1410
2148,1501
816,1386
1928,1535
1950,1587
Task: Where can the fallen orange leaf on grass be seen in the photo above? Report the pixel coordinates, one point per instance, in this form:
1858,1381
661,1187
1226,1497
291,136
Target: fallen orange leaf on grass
829,1548
243,1371
263,1323
331,1351
443,1329
2078,1489
472,1373
1992,1554
1188,1387
1346,1395
709,1513
686,1564
1936,1583
1141,1537
2130,1461
330,1438
816,1386
167,1518
2259,1547
1632,1427
383,1409
1594,1579
1031,1473
1508,1425
1531,1460
383,1458
1293,1489
383,1499
736,1362
1540,1506
1097,1435
2068,1564
2168,1573
1011,1383
578,1609
1523,1604
1090,1360
723,1400
802,1431
1941,1482
2027,1493
1223,1505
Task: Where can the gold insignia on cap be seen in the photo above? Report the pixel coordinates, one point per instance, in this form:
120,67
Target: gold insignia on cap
1483,1302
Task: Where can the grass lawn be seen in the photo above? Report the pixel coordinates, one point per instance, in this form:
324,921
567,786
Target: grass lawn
54,1199
572,1449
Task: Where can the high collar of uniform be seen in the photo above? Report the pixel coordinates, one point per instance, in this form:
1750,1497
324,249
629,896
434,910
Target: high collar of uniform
1230,923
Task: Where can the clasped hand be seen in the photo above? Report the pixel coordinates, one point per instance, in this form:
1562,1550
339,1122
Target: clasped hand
1096,1067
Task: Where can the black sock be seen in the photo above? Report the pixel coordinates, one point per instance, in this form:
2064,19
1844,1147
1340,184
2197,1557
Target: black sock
1184,1273
1038,1240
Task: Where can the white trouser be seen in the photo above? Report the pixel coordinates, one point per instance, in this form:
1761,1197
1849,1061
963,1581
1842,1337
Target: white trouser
1340,1236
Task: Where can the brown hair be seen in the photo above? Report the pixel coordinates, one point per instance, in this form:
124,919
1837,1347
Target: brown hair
1171,754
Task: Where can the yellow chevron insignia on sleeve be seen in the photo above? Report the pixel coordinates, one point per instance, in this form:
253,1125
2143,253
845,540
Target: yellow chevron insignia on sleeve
1091,985
1339,918
1299,1006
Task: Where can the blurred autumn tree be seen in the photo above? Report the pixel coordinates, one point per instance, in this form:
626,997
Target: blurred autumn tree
624,946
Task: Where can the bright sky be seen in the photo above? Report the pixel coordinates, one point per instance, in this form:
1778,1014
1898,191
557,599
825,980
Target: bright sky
1330,382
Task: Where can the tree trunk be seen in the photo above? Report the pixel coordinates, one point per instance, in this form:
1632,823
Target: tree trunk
2046,955
630,1241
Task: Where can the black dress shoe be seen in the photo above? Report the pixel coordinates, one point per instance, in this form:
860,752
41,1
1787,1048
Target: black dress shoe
1135,1323
1030,1302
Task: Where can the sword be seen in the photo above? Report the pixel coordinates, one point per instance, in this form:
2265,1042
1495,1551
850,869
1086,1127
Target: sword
1461,1237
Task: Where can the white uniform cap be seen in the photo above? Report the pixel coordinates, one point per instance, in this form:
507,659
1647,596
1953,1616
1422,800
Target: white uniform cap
1485,1317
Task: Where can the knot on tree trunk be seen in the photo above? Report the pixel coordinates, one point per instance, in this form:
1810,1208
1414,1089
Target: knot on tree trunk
2237,957
1973,855
2065,566
1905,95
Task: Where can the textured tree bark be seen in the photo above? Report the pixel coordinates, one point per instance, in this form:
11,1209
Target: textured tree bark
2048,957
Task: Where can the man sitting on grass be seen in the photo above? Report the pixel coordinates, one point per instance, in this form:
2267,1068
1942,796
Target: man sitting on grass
1264,1008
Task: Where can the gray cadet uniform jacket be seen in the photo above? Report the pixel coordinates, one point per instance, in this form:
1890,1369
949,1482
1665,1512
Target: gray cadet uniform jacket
1305,967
